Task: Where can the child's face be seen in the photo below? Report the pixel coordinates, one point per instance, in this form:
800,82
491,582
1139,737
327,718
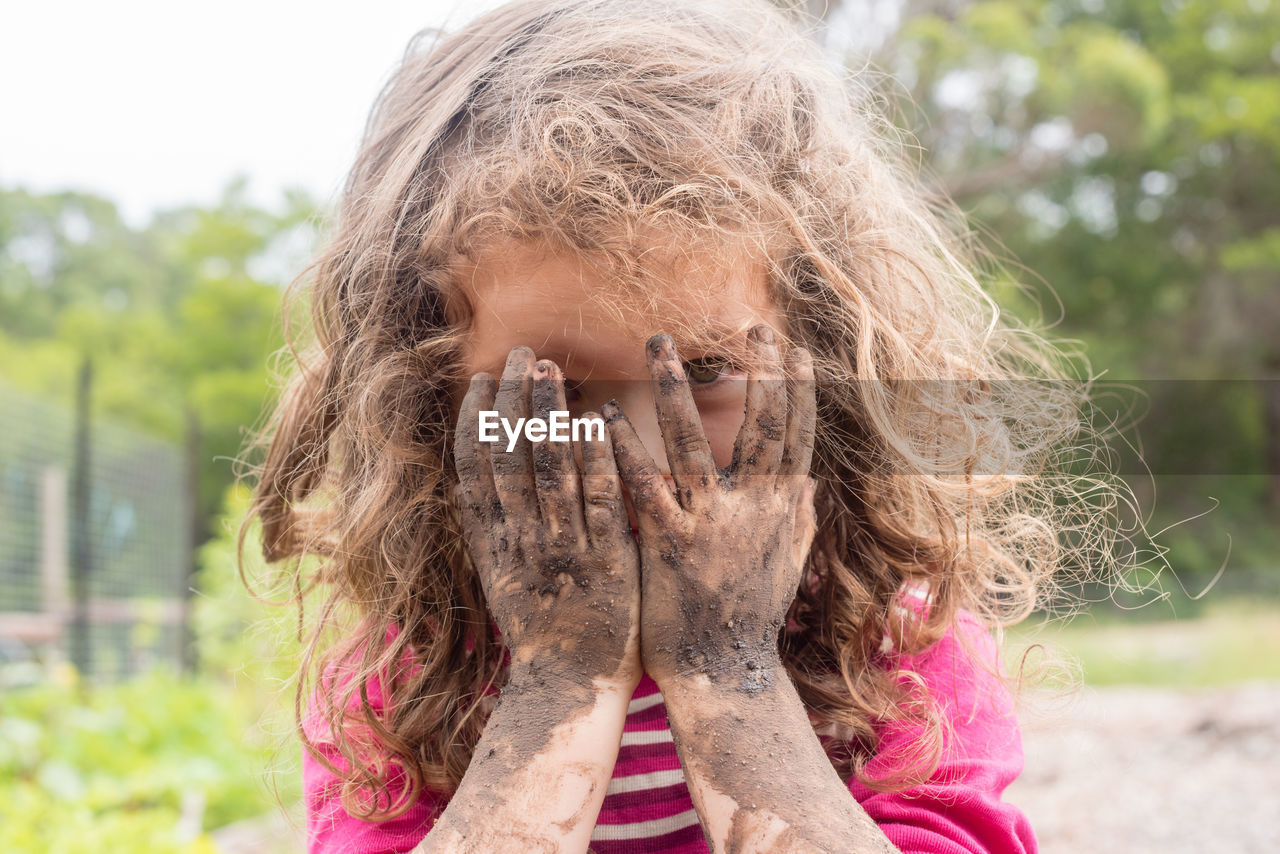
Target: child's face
526,295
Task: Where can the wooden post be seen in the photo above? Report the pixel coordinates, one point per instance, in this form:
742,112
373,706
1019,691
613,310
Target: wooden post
53,550
81,552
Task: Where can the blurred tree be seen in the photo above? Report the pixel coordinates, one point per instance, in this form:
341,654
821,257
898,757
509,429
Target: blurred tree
65,249
1127,150
1127,153
177,315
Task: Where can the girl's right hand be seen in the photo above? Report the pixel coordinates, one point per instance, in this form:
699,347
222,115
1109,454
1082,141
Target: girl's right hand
554,550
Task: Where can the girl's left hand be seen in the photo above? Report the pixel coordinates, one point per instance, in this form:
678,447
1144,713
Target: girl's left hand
722,558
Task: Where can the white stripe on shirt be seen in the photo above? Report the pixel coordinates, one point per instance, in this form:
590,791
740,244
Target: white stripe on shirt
652,827
639,704
657,736
650,780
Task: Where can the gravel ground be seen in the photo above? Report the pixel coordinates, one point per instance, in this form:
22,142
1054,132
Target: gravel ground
1138,770
1124,770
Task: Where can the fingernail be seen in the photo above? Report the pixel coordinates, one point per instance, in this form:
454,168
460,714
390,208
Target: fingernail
517,355
610,410
761,333
542,369
661,346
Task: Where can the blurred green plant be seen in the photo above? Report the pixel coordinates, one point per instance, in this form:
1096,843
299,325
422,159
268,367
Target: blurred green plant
1127,155
107,768
247,633
108,771
1233,640
180,316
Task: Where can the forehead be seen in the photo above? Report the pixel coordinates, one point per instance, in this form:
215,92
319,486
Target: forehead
570,307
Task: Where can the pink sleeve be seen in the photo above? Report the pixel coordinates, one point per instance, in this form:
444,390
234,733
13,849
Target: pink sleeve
330,829
958,811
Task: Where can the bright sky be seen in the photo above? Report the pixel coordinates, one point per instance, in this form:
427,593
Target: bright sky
154,103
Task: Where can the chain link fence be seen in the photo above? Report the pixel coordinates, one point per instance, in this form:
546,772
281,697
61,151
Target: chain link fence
127,533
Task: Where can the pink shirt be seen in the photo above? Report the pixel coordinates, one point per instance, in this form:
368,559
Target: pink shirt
647,807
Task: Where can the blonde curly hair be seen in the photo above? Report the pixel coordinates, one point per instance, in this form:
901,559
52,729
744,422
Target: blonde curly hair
589,124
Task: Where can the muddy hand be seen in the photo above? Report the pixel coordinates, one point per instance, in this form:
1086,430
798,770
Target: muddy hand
722,558
552,546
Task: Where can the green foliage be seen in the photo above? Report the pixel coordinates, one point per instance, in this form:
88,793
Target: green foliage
247,632
1236,640
108,772
67,248
1117,89
1127,155
174,315
1261,252
176,320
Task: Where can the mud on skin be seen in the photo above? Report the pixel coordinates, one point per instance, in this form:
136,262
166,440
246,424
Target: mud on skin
721,563
715,749
560,579
729,643
720,567
533,703
560,573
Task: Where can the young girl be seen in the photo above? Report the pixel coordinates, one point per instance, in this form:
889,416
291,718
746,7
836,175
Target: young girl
755,613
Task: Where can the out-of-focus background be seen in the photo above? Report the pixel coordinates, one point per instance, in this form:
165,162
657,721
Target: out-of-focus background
163,169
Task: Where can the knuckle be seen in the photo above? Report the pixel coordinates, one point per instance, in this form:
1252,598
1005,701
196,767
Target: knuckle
686,440
506,464
601,493
804,432
771,424
466,465
549,483
629,463
510,393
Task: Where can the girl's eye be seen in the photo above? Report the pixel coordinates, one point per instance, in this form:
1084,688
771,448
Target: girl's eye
699,372
706,370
